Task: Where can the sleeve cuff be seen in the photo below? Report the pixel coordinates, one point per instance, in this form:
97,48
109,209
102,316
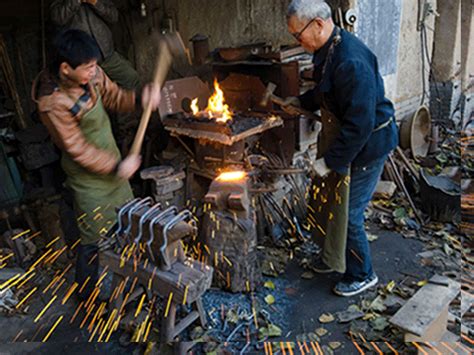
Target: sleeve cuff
138,99
342,170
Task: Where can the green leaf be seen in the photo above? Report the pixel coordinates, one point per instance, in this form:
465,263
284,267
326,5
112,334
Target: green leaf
353,308
442,158
377,304
270,285
334,345
400,213
270,299
232,316
379,323
271,331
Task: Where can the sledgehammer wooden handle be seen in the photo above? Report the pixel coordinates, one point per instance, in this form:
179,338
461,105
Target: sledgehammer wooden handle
162,66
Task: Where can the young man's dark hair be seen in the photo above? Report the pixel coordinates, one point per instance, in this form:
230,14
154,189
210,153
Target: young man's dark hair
73,47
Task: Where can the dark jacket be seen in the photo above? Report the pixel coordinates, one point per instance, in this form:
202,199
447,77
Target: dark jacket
93,19
353,90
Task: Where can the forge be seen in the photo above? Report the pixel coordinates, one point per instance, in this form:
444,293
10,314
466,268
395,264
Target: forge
221,138
239,127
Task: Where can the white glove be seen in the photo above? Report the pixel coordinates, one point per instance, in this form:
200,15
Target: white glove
320,168
289,103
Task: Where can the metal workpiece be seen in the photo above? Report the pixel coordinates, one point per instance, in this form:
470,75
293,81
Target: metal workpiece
160,218
147,215
143,203
181,217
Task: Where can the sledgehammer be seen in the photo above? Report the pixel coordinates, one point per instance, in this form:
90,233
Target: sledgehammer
171,47
268,95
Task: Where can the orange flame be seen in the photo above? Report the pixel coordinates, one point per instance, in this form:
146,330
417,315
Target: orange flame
232,176
216,107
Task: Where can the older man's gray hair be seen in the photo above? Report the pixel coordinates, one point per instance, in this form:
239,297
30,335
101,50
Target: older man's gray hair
309,9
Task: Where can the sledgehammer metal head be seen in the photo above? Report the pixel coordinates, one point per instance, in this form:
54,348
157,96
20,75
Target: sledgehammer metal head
268,94
176,46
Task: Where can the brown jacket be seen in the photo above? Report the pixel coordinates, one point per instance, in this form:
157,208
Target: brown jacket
55,101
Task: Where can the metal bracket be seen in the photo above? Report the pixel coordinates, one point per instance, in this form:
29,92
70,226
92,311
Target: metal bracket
180,217
145,202
163,215
120,214
143,218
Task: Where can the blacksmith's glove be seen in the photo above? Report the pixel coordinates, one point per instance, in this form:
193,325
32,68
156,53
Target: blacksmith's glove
320,168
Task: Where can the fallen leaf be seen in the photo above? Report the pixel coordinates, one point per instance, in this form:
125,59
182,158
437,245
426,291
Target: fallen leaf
321,332
334,345
447,249
349,315
372,237
196,333
369,316
393,300
308,275
422,283
271,331
359,327
377,304
313,337
232,316
327,350
210,347
270,299
326,318
390,286
270,285
400,213
379,323
442,158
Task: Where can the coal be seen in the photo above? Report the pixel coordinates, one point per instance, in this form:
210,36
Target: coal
239,123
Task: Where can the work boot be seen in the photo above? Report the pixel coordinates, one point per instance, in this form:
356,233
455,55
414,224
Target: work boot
320,267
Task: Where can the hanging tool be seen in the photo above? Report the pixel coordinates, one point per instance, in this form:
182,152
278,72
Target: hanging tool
269,95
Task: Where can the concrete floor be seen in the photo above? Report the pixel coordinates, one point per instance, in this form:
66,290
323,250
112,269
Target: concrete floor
391,254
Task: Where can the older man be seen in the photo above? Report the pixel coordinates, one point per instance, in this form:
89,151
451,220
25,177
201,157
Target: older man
359,129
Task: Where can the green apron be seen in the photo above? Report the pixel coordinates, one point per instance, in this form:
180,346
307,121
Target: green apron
329,202
95,196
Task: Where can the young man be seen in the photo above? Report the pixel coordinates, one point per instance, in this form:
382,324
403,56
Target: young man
72,96
358,132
